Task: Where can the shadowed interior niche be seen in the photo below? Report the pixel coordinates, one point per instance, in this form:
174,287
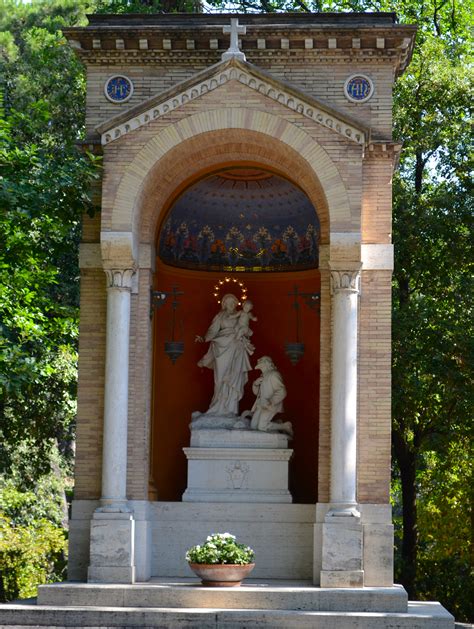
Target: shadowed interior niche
261,230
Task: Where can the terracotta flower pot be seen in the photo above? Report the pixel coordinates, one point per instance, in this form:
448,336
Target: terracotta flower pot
221,574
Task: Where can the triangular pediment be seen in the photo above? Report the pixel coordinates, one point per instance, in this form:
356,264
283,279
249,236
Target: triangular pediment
218,75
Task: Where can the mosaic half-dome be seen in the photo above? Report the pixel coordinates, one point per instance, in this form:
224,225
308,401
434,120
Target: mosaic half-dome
241,220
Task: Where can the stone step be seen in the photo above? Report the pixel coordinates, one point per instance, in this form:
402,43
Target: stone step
21,616
188,594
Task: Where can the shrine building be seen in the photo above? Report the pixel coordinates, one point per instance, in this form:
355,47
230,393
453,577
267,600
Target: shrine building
246,190
249,156
256,158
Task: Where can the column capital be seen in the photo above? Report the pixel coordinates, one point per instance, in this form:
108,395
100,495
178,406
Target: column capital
345,281
119,278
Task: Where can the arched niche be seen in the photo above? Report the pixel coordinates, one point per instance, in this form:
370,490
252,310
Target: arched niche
263,234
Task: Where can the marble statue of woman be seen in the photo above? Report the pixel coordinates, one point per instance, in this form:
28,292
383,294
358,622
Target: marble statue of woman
228,356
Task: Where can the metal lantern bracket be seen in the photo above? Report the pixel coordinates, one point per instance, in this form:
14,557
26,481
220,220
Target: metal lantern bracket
312,300
158,298
295,349
173,348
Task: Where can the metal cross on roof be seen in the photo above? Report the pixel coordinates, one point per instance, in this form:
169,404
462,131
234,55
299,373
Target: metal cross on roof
235,30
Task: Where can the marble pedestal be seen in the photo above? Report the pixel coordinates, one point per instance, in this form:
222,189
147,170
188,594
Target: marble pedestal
342,553
237,466
112,548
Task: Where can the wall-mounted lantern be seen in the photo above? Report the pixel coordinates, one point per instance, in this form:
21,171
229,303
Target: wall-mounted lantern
295,349
173,348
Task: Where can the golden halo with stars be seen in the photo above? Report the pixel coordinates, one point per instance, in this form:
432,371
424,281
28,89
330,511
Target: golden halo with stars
230,282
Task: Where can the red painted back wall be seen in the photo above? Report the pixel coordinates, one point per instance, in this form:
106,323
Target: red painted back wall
182,388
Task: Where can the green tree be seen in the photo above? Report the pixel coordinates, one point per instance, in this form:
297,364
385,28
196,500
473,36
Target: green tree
42,200
148,6
33,524
446,486
42,196
432,320
39,229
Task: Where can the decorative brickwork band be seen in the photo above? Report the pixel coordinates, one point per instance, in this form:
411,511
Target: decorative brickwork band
253,79
119,278
345,281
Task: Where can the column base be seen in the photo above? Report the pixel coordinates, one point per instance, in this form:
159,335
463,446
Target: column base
377,538
342,552
342,510
342,578
112,548
113,574
112,506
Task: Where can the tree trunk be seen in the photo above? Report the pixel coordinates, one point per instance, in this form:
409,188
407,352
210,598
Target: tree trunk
420,162
406,459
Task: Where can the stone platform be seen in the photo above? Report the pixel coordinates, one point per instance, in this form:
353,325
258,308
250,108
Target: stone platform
237,466
184,603
252,595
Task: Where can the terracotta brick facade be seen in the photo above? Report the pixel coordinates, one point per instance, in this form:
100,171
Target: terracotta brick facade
90,401
349,183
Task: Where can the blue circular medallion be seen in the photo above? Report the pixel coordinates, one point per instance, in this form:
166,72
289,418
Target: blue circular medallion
118,89
358,88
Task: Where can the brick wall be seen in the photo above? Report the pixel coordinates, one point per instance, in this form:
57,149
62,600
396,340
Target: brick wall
374,387
260,113
364,185
90,403
323,81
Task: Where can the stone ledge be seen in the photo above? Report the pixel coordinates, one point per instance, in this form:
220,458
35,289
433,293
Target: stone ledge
188,593
269,496
222,438
419,616
220,512
240,453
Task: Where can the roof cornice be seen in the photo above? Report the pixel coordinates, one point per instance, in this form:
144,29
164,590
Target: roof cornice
183,37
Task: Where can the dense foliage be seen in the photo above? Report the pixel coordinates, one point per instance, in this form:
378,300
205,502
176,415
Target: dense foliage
220,548
43,187
43,193
432,317
33,524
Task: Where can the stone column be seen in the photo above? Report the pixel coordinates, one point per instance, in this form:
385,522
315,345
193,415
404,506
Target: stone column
114,452
113,527
345,292
342,530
